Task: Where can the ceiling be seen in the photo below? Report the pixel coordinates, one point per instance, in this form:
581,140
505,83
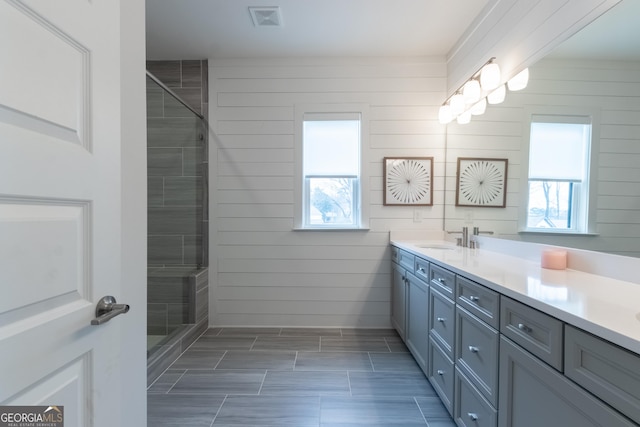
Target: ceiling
198,29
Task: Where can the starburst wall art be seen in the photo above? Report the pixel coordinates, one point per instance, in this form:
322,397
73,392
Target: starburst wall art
481,182
408,181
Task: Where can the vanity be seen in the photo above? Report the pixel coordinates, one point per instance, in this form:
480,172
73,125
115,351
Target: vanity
507,343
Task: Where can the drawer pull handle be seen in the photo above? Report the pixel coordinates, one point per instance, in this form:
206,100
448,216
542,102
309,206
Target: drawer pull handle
474,298
524,328
473,416
421,270
440,372
441,319
473,349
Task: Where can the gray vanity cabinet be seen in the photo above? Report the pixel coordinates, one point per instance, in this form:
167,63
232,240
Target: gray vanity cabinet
409,303
496,362
417,329
532,394
399,299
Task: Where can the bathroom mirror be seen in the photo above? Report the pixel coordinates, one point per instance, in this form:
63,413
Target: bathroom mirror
597,70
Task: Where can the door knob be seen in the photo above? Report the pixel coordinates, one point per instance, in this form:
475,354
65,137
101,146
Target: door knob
107,309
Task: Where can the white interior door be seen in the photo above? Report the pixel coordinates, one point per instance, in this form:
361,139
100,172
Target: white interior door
61,211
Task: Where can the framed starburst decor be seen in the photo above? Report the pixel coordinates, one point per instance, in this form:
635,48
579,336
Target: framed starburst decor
481,182
408,181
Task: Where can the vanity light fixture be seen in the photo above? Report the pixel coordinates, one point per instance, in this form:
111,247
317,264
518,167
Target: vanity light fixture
483,87
519,81
471,91
497,96
490,76
479,107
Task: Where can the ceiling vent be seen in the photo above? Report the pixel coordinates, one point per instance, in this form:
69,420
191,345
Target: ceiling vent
266,16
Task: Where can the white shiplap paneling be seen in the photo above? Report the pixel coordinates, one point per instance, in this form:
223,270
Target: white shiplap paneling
268,274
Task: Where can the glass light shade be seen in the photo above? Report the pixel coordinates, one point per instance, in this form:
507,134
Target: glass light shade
519,81
471,91
479,107
490,76
464,118
444,114
457,104
497,96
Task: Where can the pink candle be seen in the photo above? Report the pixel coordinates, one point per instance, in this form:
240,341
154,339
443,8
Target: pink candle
554,259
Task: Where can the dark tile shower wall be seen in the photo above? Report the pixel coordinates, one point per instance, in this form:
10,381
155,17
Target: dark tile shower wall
177,202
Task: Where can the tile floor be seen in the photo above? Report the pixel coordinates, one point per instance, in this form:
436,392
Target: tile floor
295,377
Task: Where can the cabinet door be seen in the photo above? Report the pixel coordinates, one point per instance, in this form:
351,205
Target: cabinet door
532,394
398,300
418,320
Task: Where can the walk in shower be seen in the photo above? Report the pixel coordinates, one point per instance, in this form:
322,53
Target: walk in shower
177,281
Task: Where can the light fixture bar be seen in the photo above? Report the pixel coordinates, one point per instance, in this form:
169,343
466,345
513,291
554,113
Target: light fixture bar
473,77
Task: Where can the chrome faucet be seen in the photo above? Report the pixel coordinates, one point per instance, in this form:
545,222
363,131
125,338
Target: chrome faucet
476,231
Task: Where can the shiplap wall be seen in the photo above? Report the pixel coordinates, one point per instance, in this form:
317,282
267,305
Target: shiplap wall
613,88
267,274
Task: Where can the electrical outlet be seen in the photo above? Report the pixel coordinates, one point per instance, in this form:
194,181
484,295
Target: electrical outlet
417,215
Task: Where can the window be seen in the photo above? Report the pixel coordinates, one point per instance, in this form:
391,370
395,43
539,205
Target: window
559,170
330,179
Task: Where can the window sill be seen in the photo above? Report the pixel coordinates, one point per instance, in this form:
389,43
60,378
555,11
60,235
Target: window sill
558,233
332,229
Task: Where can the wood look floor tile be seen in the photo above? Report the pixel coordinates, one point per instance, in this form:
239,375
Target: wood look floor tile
354,344
249,331
287,343
198,359
217,342
165,381
370,411
165,410
333,361
402,362
260,359
255,377
220,382
300,383
432,407
368,332
390,384
269,411
312,332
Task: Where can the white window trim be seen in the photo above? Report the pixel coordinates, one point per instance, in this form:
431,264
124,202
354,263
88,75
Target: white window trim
364,191
592,173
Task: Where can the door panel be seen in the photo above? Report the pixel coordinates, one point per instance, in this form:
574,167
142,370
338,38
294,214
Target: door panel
61,211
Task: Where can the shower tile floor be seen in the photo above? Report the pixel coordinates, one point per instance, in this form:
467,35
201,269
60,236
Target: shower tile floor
295,377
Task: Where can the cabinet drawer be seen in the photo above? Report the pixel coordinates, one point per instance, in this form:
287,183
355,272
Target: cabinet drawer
537,332
405,259
476,349
471,409
480,301
395,253
443,279
440,373
442,320
607,371
422,269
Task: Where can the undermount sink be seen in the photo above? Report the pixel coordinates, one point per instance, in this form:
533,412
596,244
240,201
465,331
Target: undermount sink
439,247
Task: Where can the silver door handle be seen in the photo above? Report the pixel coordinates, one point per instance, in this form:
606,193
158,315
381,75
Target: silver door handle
107,309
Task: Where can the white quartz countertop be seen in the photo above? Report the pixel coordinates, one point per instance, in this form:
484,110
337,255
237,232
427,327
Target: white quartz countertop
606,307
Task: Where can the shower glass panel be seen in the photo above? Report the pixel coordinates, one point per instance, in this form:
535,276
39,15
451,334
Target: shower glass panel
176,150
